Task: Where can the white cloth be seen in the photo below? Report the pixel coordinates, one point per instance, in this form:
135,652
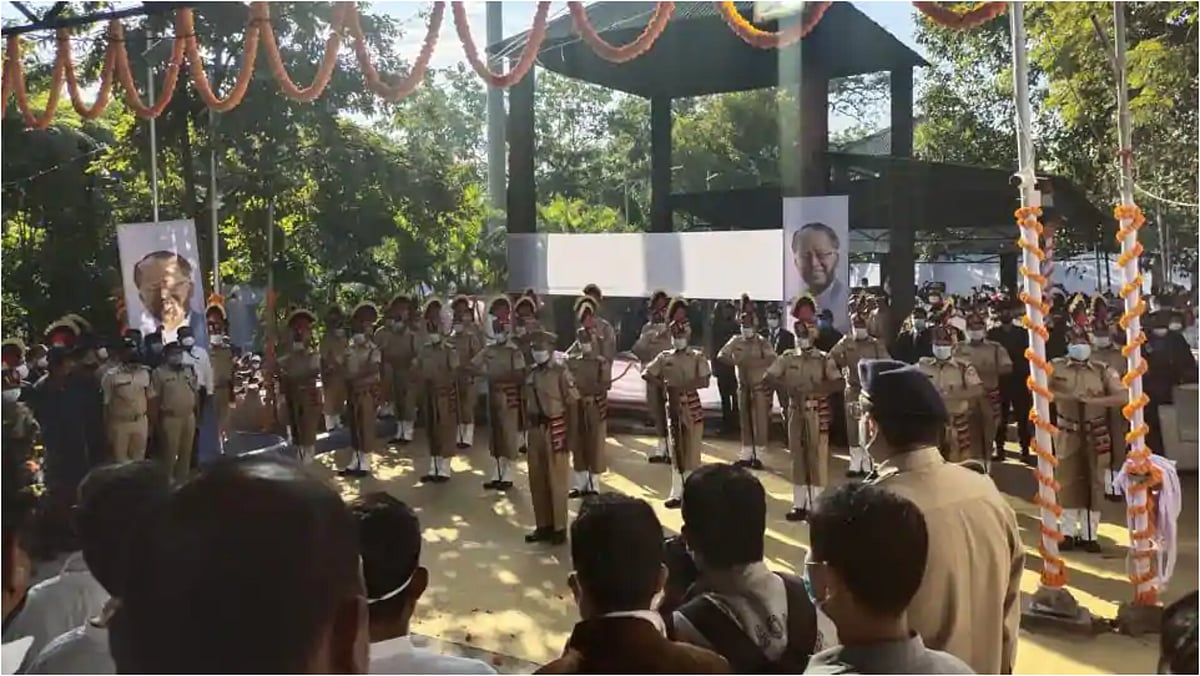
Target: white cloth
1170,504
13,653
58,605
399,656
83,650
197,358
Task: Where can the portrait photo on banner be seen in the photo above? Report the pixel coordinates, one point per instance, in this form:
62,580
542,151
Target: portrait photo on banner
160,271
816,253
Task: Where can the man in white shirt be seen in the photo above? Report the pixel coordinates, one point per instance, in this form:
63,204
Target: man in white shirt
115,502
390,542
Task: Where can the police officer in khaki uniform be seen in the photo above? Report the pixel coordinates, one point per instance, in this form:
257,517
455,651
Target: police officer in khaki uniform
333,367
363,382
127,393
681,373
1084,390
655,339
858,345
959,385
550,392
220,355
992,363
809,376
399,340
437,368
1105,351
588,419
299,367
751,354
176,390
467,338
503,366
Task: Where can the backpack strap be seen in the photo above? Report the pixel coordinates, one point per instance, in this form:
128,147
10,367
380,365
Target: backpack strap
801,623
725,636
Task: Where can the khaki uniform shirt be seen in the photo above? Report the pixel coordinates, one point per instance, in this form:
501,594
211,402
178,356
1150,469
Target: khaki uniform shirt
848,352
989,358
968,603
177,390
951,376
126,390
550,390
751,356
799,372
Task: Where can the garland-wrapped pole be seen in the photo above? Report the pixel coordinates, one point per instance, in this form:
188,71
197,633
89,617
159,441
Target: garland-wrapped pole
1052,600
1140,474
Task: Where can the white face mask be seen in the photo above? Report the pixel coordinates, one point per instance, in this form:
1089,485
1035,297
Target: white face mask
540,356
1016,321
773,323
1101,342
11,396
1079,351
1176,326
359,339
102,353
679,343
585,348
188,342
976,335
748,332
942,352
860,333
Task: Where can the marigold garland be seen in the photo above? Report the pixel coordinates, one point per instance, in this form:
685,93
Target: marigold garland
406,86
537,34
971,18
328,59
640,45
757,37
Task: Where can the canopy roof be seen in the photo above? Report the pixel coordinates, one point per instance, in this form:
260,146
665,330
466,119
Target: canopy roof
697,54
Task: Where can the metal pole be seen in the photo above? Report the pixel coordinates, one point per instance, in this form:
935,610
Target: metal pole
1053,569
495,123
213,202
153,141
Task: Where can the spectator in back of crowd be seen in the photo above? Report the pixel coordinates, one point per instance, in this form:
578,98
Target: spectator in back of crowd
389,535
969,600
250,567
758,620
869,548
19,510
115,503
617,556
1177,650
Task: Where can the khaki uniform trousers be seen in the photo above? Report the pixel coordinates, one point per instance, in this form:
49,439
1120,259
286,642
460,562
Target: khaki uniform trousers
588,426
548,480
808,444
176,434
127,438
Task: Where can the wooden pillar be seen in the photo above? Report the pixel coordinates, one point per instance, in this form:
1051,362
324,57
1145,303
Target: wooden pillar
522,191
902,112
660,164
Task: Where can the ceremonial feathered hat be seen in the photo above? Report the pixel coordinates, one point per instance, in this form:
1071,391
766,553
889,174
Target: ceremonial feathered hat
1077,310
677,316
365,313
62,333
12,351
746,314
301,320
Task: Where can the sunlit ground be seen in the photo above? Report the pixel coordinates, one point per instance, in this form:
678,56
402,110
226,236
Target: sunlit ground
490,590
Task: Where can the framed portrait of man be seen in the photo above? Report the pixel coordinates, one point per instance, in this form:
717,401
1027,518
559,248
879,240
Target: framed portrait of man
160,271
816,253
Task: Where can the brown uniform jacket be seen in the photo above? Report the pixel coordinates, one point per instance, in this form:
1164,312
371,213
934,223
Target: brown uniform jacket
630,645
968,603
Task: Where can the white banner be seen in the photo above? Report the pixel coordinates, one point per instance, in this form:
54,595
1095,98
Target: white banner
816,253
160,268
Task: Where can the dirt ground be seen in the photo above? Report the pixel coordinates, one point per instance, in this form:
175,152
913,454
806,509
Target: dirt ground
494,596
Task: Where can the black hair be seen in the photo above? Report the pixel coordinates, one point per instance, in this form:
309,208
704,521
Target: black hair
389,535
725,514
875,540
241,571
1177,650
617,552
115,502
816,227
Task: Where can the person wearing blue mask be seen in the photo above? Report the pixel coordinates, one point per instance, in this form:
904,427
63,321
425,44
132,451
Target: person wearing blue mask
869,550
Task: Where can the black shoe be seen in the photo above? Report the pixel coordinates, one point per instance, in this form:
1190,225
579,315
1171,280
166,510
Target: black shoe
460,445
796,514
673,503
1090,546
756,464
558,537
1068,544
428,478
659,459
574,493
538,535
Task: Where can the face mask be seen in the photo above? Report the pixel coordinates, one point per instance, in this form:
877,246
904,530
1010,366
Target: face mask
585,348
11,396
1016,321
942,352
804,343
359,339
42,362
773,323
679,343
540,356
976,335
1101,343
919,324
188,342
748,333
860,333
1176,326
1079,351
23,371
1159,331
102,354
